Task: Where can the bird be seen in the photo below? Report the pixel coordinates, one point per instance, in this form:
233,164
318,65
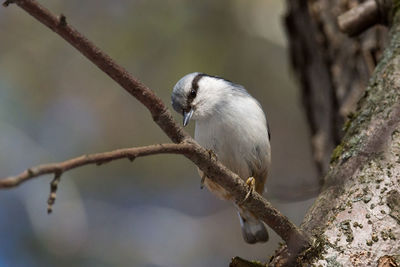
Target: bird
232,124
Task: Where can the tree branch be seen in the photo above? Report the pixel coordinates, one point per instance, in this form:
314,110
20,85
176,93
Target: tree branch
365,15
146,96
98,159
295,238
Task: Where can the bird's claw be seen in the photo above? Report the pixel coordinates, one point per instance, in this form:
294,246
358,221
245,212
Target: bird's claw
212,154
251,183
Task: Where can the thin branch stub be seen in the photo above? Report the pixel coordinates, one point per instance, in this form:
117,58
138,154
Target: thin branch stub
8,2
366,15
53,190
62,20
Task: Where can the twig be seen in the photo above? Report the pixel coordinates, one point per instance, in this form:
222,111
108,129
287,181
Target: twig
146,96
295,238
53,191
100,158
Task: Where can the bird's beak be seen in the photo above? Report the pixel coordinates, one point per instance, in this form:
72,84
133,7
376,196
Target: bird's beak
186,116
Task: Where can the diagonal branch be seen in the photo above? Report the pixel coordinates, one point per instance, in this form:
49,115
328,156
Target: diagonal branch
146,96
295,238
98,159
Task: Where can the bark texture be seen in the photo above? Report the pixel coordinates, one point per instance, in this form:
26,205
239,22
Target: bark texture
357,215
355,221
332,68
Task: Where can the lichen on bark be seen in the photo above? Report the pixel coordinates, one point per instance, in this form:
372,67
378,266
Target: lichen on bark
358,210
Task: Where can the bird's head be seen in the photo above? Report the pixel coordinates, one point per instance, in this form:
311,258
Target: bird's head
199,96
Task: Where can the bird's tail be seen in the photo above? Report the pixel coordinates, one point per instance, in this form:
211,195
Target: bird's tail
253,230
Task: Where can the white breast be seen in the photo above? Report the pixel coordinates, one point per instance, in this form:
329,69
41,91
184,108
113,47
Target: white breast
238,134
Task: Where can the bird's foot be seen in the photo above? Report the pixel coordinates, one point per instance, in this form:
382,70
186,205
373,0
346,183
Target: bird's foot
251,183
212,154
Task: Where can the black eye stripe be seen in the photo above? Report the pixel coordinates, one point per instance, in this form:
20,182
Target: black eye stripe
195,82
195,87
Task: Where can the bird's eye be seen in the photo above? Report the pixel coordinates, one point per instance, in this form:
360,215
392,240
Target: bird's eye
193,93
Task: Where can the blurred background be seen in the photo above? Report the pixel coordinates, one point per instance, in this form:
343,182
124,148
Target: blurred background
54,104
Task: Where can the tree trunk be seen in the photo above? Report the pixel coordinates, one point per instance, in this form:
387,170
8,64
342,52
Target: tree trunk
355,221
332,68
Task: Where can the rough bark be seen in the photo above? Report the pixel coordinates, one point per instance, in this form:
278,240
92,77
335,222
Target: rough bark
356,219
332,68
357,216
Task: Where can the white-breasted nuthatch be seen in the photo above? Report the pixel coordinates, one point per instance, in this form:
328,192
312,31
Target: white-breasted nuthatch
231,123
